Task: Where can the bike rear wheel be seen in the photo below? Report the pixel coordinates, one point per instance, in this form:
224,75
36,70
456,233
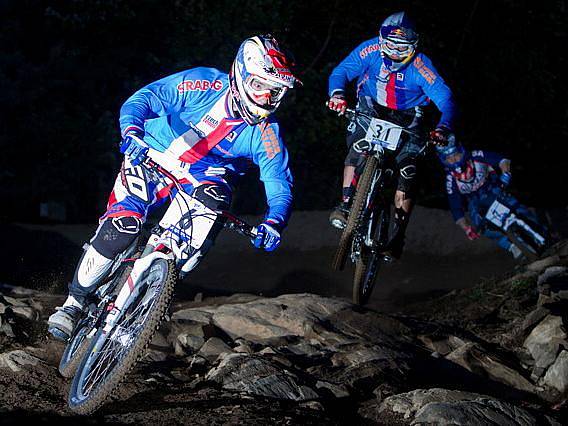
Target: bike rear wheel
111,355
355,213
74,351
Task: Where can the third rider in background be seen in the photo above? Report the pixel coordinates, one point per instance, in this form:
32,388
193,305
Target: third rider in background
394,83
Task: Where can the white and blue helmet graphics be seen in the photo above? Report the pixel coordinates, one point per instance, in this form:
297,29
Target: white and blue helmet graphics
259,78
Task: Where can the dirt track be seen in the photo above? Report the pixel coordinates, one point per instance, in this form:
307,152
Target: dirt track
438,257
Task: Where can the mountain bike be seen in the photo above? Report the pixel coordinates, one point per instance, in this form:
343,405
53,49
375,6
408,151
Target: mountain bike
128,307
527,234
367,232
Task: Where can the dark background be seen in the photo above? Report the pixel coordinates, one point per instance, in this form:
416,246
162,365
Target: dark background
67,66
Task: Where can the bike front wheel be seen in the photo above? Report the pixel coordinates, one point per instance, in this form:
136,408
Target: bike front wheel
366,270
355,213
112,354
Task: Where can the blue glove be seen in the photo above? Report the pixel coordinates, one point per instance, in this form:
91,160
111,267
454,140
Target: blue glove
267,237
133,147
505,179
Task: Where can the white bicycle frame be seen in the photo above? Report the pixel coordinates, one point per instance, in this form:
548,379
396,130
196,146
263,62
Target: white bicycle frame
503,217
186,225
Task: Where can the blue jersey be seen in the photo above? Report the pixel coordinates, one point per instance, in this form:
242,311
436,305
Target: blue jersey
410,86
485,165
186,116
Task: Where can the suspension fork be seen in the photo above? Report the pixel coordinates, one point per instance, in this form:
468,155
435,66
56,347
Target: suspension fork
367,224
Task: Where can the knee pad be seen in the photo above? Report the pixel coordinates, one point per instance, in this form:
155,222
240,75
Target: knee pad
215,197
115,235
407,175
92,267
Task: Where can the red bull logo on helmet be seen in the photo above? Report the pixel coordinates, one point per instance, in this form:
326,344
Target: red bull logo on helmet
397,32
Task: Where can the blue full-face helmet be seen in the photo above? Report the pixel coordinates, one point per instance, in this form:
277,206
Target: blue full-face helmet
453,156
398,40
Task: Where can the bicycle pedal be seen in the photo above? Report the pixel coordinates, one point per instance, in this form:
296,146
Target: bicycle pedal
58,334
387,258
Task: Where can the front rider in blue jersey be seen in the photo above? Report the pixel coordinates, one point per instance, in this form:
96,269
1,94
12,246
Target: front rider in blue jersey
394,83
473,180
206,128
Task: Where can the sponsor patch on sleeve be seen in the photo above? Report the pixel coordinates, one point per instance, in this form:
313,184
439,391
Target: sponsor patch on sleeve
270,141
199,85
424,71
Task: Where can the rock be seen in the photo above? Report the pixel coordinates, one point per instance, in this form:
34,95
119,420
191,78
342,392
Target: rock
16,360
442,344
542,264
313,405
533,318
551,272
192,315
553,285
243,347
557,374
212,348
480,412
409,403
544,341
354,355
451,407
258,376
186,344
338,391
25,308
287,315
475,359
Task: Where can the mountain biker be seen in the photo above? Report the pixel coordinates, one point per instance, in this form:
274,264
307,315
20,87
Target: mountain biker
394,83
475,179
209,127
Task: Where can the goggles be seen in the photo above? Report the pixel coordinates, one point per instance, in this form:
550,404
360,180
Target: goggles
453,158
264,92
398,49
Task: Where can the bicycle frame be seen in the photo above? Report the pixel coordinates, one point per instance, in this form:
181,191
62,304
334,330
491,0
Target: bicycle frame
176,237
502,217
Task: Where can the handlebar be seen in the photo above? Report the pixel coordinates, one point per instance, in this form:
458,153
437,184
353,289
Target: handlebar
232,222
352,113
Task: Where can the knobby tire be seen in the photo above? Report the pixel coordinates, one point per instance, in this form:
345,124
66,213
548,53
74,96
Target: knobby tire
75,351
154,317
355,213
367,266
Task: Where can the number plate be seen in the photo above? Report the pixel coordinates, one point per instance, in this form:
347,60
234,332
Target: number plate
497,213
383,133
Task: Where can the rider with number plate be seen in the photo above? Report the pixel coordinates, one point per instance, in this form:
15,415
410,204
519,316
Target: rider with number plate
395,84
472,179
207,128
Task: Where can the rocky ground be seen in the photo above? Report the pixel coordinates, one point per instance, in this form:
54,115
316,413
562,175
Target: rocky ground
496,353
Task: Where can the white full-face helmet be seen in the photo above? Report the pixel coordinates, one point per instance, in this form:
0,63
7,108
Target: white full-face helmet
259,78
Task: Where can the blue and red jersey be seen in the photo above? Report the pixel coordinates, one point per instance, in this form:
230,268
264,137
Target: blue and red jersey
186,116
485,165
415,84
